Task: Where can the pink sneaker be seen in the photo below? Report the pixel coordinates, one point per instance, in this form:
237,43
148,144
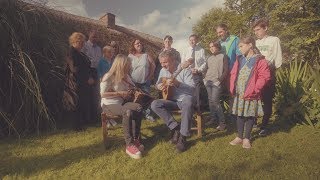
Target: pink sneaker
236,141
138,144
133,152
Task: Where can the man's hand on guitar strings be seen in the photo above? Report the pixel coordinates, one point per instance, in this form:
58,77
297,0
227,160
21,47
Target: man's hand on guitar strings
160,86
173,82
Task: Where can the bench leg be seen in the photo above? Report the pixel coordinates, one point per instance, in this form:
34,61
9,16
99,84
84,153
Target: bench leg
104,129
199,125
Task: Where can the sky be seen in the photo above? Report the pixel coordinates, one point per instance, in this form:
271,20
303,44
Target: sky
154,17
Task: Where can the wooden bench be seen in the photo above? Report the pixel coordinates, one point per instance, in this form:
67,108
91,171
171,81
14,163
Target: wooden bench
197,116
105,117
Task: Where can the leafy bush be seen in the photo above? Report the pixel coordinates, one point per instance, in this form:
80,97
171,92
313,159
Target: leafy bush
297,98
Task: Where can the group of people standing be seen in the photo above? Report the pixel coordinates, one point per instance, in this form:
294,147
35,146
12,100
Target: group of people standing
246,67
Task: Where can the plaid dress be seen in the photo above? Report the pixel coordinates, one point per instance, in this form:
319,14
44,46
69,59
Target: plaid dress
241,107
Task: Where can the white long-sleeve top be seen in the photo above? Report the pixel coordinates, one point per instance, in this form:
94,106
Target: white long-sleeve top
269,47
200,58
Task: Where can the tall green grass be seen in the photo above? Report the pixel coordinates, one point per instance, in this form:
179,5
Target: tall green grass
286,154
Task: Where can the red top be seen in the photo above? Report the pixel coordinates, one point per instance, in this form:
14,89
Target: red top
259,77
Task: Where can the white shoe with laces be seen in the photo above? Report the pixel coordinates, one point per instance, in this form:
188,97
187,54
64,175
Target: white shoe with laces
236,141
246,144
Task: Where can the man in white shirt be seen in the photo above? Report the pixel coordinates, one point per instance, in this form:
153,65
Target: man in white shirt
196,54
92,49
94,52
269,47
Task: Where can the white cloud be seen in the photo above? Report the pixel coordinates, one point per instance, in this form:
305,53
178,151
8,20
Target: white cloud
151,19
177,23
71,6
76,7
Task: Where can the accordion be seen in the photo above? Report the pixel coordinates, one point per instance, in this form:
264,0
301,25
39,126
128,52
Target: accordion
140,97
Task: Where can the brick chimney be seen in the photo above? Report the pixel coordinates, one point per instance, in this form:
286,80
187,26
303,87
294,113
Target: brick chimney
109,19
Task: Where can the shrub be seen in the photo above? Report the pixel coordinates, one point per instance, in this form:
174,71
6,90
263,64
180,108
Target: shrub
297,98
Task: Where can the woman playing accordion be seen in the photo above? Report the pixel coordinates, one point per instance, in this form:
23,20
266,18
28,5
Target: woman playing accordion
114,89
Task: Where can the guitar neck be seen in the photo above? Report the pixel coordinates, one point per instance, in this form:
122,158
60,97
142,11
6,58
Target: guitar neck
176,73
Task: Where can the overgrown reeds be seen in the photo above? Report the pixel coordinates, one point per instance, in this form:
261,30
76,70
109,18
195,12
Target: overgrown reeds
34,41
28,64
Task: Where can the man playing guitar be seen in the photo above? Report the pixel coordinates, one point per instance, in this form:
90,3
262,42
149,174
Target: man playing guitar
182,99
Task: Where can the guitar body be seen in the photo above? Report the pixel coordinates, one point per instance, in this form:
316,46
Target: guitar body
168,91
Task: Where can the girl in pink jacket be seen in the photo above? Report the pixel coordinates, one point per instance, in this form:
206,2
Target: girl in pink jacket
248,76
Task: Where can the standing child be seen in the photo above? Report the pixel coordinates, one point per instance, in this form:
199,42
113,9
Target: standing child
248,76
216,72
269,47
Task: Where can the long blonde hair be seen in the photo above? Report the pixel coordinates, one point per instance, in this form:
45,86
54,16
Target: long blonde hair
119,69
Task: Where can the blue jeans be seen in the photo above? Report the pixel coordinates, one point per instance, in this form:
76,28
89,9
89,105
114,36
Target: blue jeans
163,107
214,93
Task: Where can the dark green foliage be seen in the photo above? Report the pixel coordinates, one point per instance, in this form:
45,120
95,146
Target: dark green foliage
295,22
298,98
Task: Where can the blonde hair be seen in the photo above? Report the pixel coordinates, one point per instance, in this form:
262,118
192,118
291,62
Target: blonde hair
119,69
107,49
76,36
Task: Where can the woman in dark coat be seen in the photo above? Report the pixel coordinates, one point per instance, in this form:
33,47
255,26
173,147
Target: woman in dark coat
78,81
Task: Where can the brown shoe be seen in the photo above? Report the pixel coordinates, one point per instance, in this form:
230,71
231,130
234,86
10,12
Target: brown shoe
174,136
181,144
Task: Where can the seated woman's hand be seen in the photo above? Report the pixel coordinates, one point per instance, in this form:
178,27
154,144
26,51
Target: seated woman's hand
127,95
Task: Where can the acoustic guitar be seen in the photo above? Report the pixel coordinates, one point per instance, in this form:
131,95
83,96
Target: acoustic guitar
167,92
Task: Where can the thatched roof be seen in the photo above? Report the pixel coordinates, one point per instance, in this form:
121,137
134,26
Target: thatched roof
115,31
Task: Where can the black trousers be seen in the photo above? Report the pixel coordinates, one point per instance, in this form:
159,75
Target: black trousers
267,94
82,111
198,80
95,98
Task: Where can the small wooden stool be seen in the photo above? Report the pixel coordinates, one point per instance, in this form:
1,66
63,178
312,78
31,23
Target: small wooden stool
104,119
198,118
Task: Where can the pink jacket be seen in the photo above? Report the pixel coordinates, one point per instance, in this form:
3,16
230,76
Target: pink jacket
258,78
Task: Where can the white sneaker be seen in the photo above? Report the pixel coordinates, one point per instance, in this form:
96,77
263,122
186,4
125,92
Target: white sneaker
109,124
246,144
236,141
150,118
221,127
113,122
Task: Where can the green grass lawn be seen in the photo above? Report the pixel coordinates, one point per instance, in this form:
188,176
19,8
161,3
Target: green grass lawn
288,153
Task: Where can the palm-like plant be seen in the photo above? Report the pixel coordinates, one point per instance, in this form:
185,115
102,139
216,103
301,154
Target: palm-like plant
297,95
